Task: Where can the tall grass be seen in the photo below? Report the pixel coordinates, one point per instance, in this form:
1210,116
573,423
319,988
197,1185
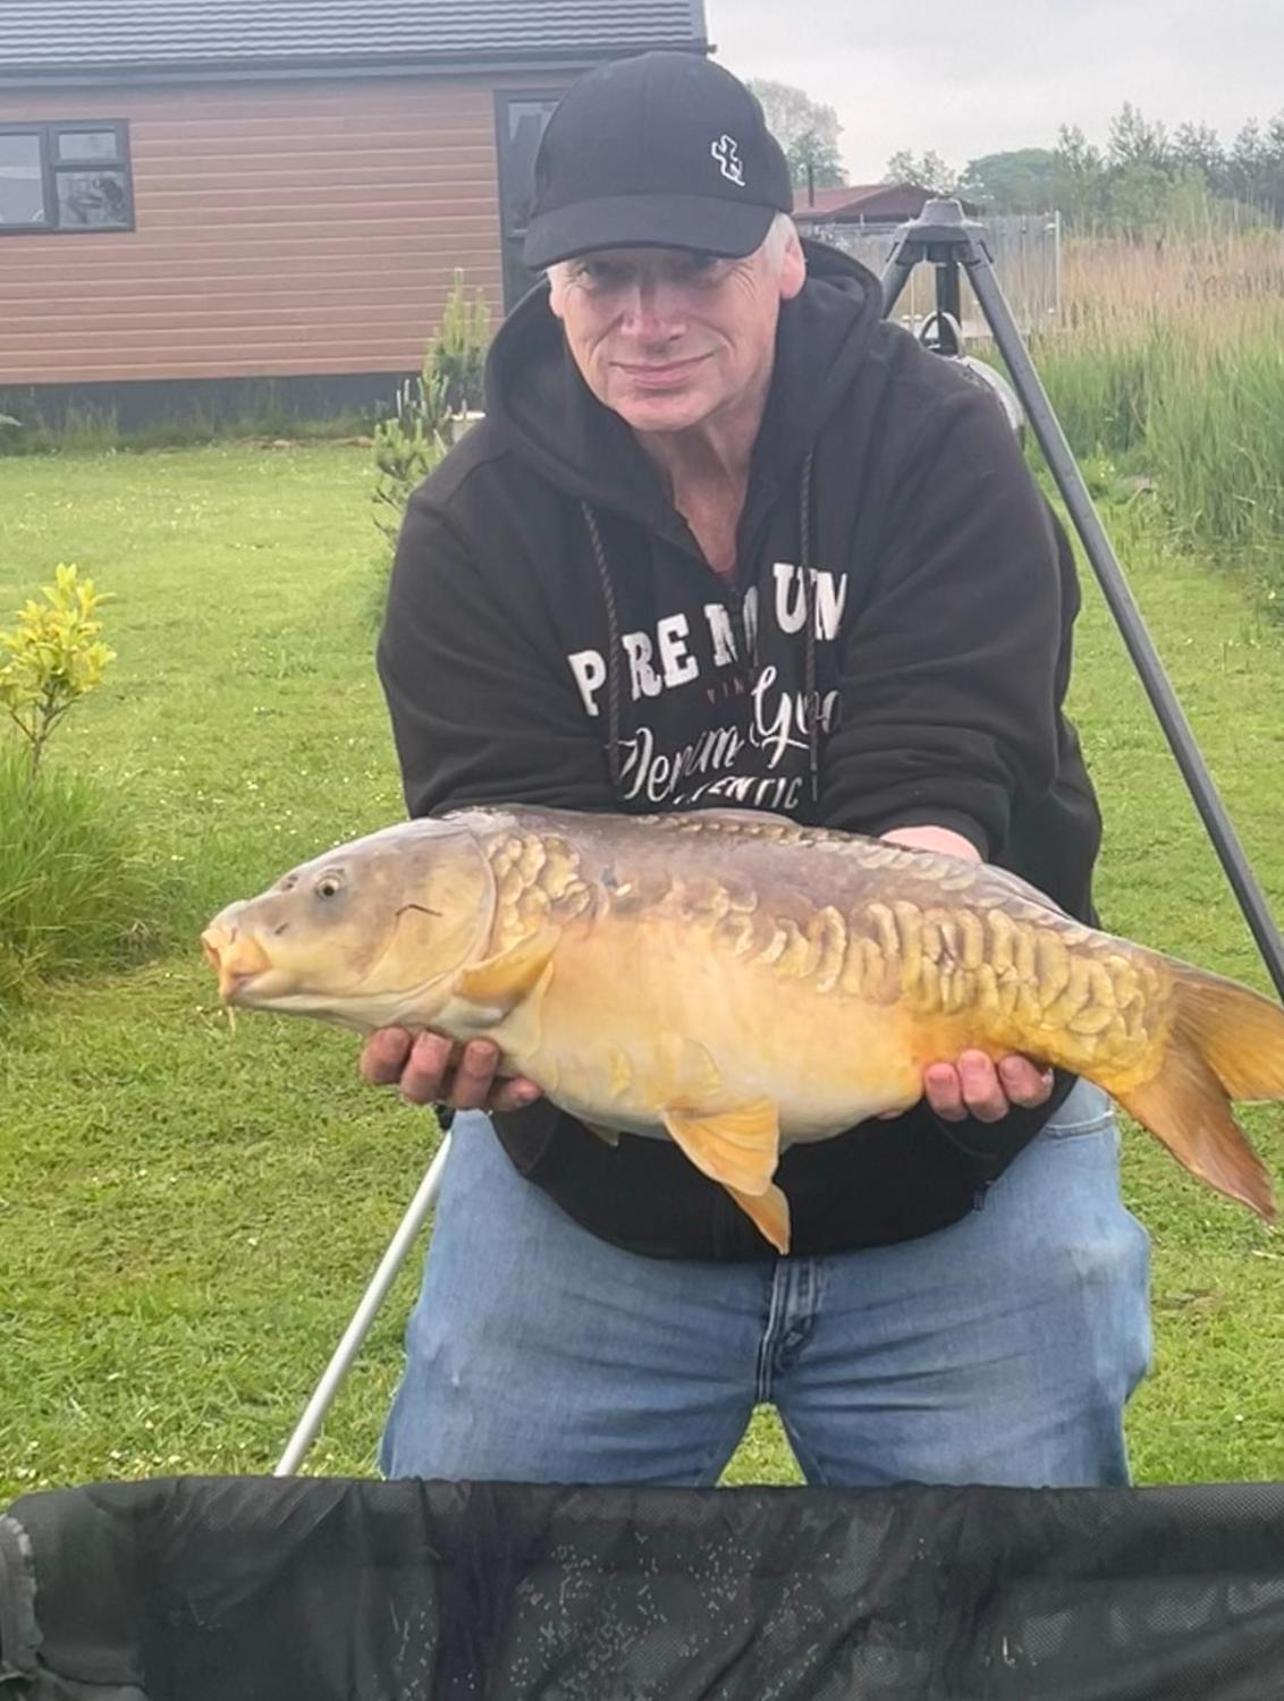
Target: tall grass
90,430
1170,360
78,891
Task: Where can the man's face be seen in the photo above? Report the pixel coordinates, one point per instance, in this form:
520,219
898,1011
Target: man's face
669,339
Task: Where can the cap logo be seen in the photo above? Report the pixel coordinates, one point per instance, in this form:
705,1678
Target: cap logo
726,153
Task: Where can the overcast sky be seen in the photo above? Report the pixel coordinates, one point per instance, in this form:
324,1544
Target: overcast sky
981,76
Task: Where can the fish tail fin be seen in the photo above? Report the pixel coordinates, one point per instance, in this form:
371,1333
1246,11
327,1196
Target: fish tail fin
1227,1043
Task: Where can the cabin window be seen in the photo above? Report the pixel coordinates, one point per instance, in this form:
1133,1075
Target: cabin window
65,176
22,179
520,120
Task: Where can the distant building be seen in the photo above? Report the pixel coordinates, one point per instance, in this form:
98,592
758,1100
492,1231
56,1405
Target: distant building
218,193
863,203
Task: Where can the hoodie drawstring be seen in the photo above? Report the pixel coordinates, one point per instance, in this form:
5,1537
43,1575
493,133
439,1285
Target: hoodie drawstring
811,697
614,685
614,759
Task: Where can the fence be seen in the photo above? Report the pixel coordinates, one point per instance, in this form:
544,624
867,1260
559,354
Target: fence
1026,248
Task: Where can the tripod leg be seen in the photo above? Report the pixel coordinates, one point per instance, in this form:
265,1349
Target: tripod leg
1065,471
896,274
349,1346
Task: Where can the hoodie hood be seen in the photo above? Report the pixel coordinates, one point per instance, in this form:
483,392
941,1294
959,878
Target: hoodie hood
544,413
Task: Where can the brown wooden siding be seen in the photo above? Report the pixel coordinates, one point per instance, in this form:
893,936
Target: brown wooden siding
282,228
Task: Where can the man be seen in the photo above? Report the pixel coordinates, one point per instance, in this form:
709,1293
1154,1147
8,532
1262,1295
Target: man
727,538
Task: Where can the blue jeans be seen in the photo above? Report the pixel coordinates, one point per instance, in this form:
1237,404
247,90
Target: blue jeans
999,1350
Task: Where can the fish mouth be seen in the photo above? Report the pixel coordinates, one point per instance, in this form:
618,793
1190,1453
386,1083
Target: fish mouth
236,958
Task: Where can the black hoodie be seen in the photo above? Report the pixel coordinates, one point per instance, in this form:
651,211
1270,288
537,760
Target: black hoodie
554,635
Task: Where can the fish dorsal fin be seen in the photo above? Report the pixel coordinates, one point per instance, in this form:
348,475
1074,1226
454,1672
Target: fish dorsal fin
746,817
502,981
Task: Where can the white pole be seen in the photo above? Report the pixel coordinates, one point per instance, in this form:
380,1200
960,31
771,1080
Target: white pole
1056,273
374,1296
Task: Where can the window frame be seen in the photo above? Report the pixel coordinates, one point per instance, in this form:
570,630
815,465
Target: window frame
503,99
48,130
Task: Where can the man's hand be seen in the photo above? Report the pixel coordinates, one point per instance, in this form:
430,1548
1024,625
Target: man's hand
943,840
972,1086
431,1069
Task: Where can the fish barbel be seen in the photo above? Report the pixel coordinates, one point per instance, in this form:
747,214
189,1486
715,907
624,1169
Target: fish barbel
738,983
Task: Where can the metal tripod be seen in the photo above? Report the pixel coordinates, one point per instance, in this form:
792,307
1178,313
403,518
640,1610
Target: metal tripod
944,238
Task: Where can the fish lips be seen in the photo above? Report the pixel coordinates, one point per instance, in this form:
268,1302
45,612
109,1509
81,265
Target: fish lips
237,958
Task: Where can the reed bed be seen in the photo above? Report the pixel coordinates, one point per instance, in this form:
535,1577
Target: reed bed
1169,361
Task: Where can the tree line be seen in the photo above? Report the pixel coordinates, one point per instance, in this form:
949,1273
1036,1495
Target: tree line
1146,179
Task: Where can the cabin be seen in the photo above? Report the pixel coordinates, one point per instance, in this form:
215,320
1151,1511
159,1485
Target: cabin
880,205
204,203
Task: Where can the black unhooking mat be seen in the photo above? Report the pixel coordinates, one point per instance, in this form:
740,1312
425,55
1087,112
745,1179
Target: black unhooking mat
250,1589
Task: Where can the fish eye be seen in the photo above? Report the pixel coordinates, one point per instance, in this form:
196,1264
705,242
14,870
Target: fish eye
329,885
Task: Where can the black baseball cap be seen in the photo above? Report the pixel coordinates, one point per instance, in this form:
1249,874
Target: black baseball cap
658,150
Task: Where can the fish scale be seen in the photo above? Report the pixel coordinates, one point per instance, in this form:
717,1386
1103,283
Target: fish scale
1028,979
1035,980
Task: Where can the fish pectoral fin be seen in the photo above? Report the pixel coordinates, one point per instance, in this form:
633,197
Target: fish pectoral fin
608,1136
689,1070
502,981
740,1147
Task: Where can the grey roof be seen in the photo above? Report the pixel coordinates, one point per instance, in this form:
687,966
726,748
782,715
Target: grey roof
41,39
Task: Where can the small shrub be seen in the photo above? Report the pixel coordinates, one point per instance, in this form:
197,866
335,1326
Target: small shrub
51,659
408,445
460,347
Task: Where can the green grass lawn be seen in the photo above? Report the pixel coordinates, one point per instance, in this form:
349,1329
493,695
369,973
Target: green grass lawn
187,1217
